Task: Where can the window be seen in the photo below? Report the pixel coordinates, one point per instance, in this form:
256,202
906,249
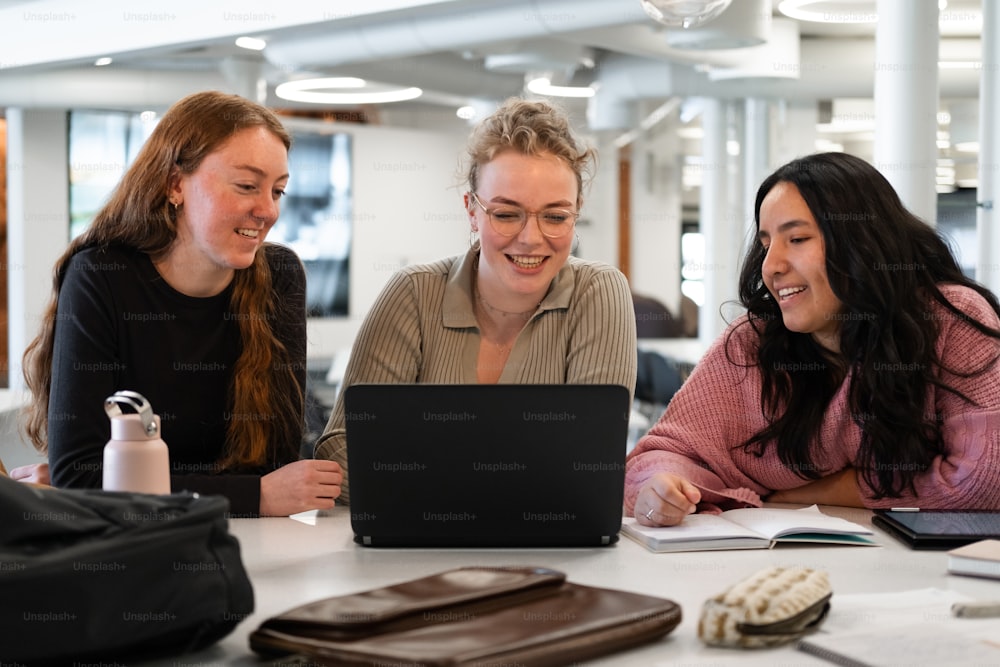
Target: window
693,264
101,146
316,217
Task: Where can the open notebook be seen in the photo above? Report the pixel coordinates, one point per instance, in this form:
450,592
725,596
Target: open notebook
434,465
749,528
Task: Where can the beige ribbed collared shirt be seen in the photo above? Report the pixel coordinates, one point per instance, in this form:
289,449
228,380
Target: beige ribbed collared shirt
422,329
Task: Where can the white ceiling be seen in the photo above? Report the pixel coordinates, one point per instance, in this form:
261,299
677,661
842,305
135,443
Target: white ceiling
458,51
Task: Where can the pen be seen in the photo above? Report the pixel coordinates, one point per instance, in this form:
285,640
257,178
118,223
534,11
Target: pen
905,509
982,609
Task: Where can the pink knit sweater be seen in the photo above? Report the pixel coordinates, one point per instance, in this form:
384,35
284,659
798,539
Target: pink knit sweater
718,409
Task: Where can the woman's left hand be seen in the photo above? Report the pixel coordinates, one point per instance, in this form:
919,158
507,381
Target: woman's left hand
303,485
840,488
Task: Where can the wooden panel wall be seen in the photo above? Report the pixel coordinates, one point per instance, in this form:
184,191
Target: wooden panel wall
625,212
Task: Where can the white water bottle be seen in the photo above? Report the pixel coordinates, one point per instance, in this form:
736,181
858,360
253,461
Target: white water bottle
136,458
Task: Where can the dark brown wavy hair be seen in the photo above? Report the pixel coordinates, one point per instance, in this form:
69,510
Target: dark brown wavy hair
138,215
884,324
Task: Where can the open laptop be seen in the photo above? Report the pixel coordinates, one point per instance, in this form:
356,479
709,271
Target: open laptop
938,529
502,465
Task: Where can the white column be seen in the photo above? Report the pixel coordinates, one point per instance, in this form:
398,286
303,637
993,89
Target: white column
37,221
797,120
906,101
712,210
988,262
735,222
756,153
717,223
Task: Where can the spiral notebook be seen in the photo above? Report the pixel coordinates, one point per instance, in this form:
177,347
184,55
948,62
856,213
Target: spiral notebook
500,465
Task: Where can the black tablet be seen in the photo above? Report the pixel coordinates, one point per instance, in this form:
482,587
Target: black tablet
939,529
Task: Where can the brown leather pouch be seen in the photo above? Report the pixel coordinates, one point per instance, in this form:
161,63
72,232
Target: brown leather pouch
478,616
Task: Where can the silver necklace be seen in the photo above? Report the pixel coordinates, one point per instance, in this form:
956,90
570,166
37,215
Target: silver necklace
524,314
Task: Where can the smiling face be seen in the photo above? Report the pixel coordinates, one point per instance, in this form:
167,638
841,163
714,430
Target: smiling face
226,207
794,267
515,271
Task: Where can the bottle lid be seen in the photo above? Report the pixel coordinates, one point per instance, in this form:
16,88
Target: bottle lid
113,403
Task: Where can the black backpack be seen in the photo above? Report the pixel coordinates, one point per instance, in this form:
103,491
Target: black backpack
89,575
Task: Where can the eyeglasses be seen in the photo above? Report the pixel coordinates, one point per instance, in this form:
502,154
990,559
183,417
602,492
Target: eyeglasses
508,220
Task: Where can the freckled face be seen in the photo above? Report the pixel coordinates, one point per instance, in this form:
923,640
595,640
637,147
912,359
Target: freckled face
794,268
231,201
521,267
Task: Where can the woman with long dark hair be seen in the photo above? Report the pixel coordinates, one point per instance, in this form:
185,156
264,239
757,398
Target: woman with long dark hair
173,293
864,372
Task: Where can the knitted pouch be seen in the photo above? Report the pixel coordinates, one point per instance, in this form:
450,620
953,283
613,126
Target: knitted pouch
773,606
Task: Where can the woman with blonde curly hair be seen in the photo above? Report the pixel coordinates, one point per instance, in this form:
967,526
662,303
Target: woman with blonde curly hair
516,307
173,293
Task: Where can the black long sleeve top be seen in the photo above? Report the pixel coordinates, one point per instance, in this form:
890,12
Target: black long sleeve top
119,325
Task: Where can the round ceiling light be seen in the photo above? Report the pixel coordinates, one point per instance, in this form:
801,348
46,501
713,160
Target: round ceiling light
332,91
251,43
684,13
543,86
830,11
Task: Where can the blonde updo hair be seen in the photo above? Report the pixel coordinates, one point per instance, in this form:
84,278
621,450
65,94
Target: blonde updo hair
530,128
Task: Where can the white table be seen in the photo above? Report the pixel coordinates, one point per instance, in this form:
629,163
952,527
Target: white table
296,560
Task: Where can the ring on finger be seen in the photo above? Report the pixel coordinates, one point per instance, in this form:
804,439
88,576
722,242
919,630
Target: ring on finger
649,514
